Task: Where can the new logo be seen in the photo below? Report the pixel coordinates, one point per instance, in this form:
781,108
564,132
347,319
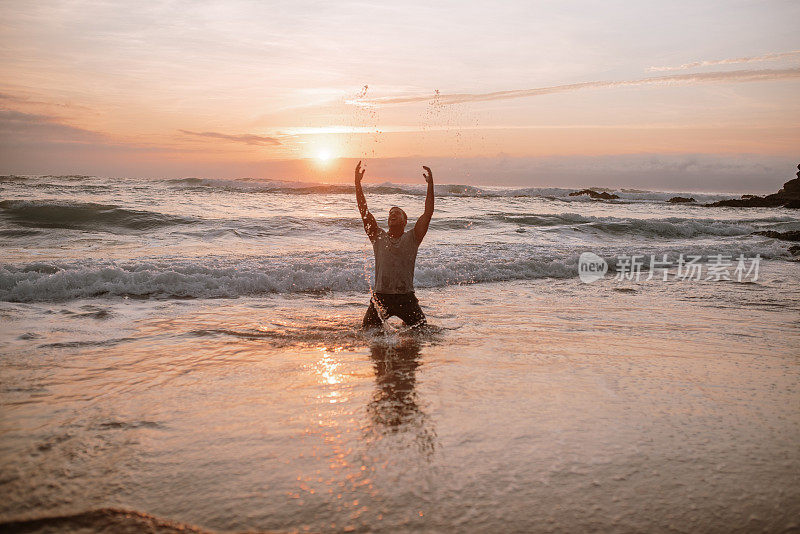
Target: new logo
591,267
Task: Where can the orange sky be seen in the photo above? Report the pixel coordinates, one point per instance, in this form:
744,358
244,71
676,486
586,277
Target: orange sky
238,88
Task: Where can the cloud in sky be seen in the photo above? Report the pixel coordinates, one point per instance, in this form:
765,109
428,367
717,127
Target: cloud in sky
41,133
730,61
735,76
248,139
4,96
16,126
228,84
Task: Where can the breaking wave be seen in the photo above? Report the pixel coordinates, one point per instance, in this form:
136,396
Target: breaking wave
28,216
252,185
672,227
294,187
224,277
84,215
669,227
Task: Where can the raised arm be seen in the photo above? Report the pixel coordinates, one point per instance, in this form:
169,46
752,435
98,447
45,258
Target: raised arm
370,225
421,227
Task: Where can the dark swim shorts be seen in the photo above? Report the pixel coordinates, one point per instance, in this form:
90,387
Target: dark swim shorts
403,305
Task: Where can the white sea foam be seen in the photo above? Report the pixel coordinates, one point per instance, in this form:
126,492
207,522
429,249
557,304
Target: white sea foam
253,185
199,238
230,278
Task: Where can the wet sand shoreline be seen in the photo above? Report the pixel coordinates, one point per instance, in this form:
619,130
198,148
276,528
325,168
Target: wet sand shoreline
539,406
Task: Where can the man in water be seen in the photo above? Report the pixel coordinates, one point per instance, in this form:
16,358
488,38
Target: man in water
395,254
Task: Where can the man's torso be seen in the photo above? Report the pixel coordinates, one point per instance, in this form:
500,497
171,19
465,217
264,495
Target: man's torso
394,262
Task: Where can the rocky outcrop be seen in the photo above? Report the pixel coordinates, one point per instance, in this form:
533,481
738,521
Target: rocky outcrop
594,194
791,235
787,197
681,200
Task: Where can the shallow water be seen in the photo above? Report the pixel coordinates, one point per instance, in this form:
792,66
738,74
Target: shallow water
535,403
534,406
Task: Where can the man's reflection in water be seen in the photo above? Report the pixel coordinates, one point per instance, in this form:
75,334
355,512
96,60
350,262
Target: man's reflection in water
394,409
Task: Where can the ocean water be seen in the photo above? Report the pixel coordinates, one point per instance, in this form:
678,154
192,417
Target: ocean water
188,353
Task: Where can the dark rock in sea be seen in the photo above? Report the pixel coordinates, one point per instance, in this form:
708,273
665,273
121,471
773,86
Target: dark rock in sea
787,197
757,202
680,200
594,194
791,235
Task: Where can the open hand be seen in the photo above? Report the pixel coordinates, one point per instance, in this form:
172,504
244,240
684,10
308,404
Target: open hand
359,172
428,175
